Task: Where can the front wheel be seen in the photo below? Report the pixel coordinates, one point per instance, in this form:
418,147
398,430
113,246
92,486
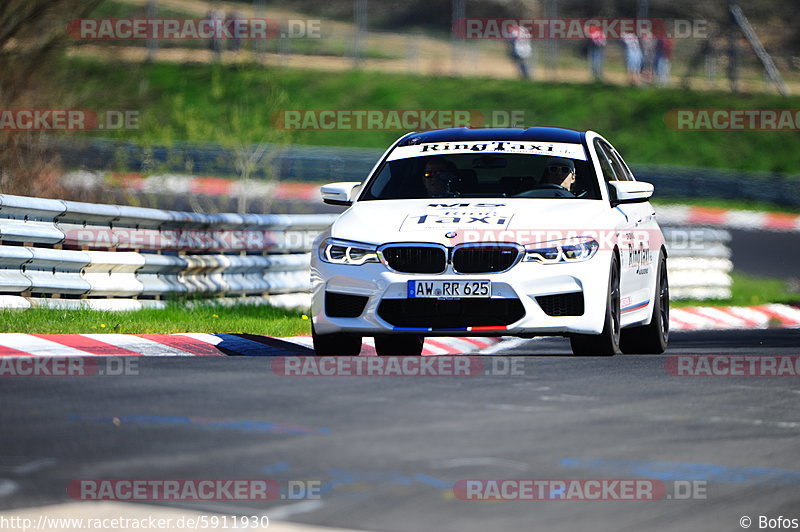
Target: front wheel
336,344
607,342
399,345
652,339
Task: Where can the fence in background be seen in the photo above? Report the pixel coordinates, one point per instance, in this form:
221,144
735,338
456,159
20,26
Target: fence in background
65,254
328,164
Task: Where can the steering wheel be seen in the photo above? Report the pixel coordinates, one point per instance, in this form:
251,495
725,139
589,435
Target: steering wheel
550,185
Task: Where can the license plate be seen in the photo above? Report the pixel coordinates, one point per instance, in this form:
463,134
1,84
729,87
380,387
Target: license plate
449,289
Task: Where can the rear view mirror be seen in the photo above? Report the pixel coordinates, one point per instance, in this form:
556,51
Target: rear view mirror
342,193
629,191
487,161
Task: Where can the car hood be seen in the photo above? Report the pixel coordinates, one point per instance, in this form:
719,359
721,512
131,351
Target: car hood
449,221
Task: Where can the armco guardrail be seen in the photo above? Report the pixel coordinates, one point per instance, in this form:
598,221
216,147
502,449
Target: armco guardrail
67,254
699,264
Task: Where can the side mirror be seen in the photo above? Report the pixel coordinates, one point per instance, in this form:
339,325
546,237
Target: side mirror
341,193
629,192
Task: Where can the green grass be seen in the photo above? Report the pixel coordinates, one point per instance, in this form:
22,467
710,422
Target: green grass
230,104
268,321
748,290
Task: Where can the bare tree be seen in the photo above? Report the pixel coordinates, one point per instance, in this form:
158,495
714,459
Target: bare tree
33,38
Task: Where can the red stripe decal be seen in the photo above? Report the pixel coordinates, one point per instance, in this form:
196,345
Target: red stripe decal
89,345
490,328
184,343
11,352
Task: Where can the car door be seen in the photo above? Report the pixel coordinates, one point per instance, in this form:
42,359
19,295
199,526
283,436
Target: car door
629,280
644,247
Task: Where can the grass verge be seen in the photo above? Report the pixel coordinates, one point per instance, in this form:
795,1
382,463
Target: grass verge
237,103
748,290
268,321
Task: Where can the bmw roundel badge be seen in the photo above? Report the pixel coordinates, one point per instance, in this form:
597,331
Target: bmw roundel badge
451,234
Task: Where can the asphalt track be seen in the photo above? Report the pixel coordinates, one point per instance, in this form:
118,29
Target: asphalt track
766,253
388,450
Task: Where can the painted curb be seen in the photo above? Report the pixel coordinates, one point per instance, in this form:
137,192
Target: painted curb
203,344
198,344
730,218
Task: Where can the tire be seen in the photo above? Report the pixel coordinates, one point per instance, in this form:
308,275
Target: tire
652,339
607,342
397,345
337,344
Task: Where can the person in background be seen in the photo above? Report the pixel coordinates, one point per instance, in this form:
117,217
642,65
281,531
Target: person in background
633,56
663,59
519,47
235,43
216,18
648,45
597,45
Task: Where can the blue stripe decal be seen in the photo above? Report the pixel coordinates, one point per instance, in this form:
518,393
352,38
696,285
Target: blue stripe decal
637,306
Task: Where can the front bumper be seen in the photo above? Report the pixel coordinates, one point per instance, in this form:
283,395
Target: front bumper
524,282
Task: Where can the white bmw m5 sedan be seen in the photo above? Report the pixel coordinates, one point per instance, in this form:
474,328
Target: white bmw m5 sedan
492,232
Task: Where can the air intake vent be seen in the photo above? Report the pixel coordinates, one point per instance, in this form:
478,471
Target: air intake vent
484,259
344,305
451,314
562,304
416,259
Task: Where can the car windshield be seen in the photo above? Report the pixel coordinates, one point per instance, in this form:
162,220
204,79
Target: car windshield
488,175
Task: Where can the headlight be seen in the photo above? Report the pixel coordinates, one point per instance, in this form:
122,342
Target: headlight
558,251
344,252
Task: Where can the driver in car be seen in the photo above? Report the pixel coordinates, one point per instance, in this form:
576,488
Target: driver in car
438,177
559,171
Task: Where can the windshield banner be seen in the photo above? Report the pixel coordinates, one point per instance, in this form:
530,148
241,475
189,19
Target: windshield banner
557,149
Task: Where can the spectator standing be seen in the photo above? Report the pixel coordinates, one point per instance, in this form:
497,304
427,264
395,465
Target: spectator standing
663,60
216,18
633,57
597,45
235,43
519,47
